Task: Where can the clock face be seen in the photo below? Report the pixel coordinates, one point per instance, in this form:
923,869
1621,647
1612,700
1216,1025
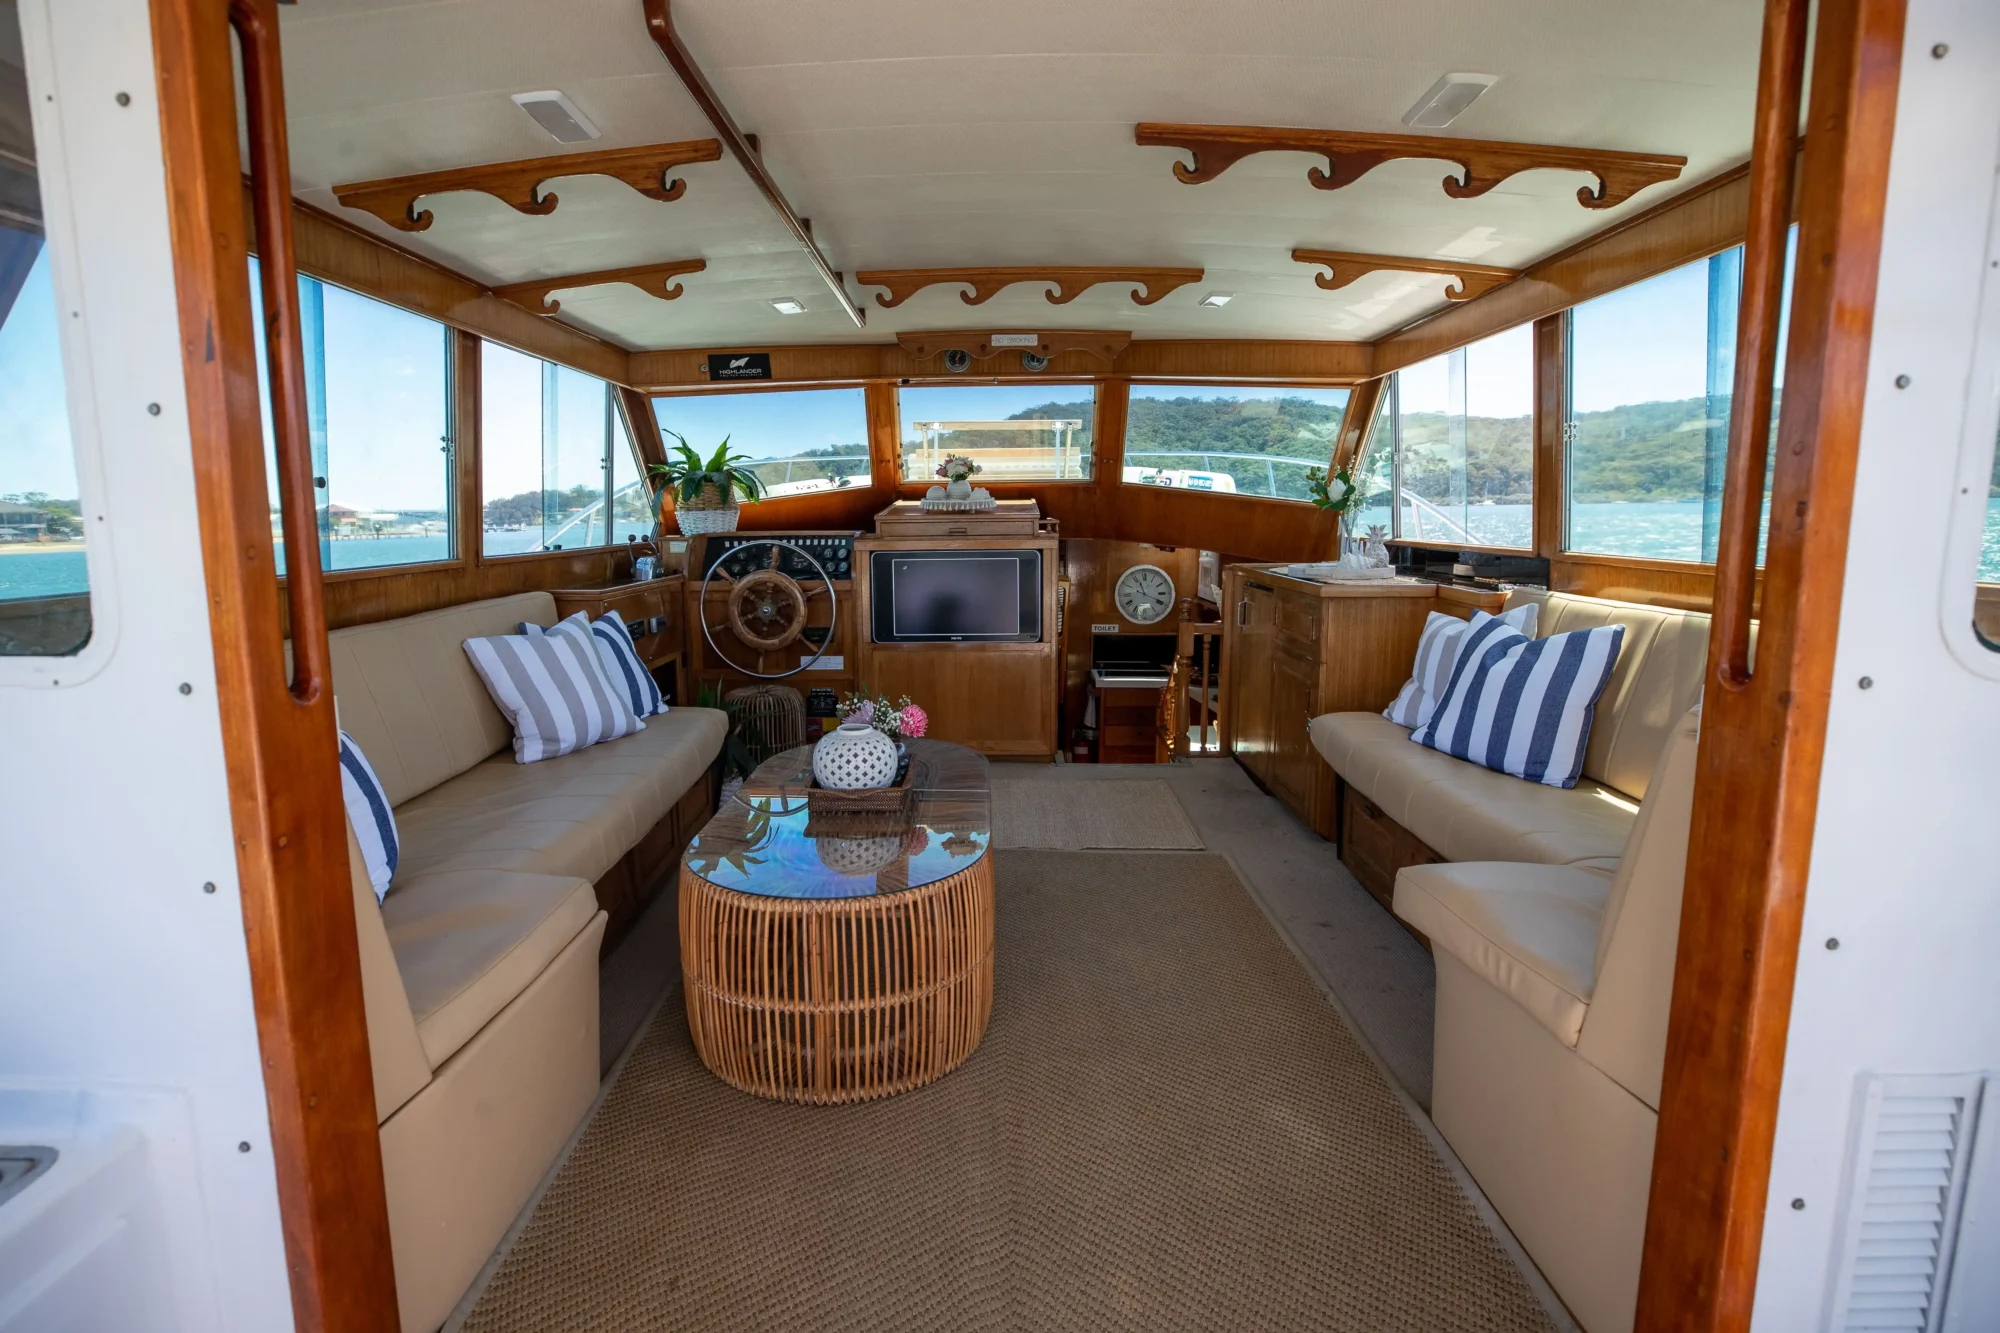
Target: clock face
1145,594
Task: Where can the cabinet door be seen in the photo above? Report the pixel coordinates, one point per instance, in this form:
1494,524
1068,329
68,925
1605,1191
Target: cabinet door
1250,678
1293,680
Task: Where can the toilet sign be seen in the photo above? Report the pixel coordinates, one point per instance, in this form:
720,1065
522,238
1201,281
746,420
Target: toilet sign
723,366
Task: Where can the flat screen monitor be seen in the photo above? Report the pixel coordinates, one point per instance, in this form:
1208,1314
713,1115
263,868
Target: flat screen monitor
956,596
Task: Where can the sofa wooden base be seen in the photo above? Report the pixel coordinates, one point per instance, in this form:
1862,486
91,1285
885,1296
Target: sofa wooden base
629,888
1373,846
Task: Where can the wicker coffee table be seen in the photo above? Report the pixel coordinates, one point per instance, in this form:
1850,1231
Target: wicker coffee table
835,956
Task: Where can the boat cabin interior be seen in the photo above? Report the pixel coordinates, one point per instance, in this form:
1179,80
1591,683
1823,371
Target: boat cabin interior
685,665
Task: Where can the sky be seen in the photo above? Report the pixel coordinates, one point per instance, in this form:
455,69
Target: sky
35,452
782,424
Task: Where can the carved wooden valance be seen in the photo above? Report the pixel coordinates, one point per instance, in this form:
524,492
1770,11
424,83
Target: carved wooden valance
983,343
986,283
1483,163
1343,267
656,280
519,184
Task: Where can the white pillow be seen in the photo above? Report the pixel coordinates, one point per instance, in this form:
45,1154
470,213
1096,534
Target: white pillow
553,689
1437,652
368,811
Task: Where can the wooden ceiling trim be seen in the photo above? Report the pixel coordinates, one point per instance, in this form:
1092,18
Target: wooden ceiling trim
519,184
1069,282
656,280
336,251
1247,359
1344,267
1350,156
985,344
1690,226
744,148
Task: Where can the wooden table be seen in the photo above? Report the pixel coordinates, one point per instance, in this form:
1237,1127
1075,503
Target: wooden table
835,959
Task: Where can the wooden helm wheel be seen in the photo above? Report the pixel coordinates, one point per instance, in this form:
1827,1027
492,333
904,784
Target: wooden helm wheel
765,610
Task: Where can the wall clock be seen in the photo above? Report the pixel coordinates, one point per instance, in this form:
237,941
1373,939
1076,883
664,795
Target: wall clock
1145,594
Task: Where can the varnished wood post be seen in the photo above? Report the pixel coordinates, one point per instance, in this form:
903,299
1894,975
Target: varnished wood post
1763,732
469,528
1355,423
1551,475
284,785
885,435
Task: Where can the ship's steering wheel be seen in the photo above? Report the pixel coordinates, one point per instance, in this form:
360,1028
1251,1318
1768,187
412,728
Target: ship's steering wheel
766,608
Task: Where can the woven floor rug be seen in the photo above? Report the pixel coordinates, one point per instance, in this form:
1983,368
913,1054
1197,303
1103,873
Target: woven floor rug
1166,1128
1141,814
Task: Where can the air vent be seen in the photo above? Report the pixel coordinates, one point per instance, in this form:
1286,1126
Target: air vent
558,115
1903,1202
1447,100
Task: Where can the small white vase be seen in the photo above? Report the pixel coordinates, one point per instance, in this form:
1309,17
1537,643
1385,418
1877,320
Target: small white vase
852,756
958,488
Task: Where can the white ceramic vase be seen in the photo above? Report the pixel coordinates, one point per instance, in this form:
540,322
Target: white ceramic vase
852,756
958,488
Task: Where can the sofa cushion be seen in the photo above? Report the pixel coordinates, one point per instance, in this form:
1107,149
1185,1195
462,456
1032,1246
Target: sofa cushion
410,698
1528,930
552,689
468,941
1467,813
1658,678
575,815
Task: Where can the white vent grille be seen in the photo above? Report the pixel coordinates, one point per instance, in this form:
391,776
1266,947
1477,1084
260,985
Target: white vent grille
1904,1196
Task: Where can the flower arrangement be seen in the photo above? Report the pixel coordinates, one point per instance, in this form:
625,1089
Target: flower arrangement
895,721
1337,493
957,467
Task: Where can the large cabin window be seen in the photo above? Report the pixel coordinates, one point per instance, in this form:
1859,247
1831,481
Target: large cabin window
800,440
378,395
1207,437
44,581
1463,436
1651,373
1025,432
557,468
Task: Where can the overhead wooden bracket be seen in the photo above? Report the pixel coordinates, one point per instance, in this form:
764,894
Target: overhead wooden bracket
986,283
1483,163
1467,280
656,280
519,184
744,148
980,344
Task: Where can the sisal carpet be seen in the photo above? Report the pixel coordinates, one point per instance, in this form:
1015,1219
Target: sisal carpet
1124,814
1166,1128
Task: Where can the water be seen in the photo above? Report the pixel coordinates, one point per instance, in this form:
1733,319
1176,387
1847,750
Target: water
1657,530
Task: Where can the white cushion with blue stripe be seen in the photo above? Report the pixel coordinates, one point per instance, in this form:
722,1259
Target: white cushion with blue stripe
368,811
621,662
1523,706
1437,653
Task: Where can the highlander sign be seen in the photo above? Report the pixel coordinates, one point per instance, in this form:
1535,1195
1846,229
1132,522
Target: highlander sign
739,366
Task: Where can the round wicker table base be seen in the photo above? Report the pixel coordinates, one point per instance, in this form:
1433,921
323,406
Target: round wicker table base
827,1000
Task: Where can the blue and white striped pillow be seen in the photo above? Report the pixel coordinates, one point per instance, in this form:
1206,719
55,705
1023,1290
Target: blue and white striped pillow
553,690
1437,653
620,657
1523,706
368,811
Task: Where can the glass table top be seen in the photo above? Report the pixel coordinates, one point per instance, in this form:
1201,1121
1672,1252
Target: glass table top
765,840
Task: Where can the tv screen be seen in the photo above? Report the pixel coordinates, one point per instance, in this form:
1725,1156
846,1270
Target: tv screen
954,596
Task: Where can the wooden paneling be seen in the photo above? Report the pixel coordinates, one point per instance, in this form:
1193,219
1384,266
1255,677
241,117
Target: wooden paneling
1375,847
1757,774
1699,222
332,250
1682,585
1246,359
279,746
1093,568
1551,411
362,597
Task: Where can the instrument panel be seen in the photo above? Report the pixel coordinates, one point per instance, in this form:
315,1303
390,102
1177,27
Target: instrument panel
833,550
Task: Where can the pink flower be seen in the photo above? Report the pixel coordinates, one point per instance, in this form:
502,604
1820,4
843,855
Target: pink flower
915,720
862,712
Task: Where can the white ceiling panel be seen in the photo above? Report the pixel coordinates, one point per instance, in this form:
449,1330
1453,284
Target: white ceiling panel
920,136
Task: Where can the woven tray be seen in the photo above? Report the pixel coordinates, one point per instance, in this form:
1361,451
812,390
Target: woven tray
895,799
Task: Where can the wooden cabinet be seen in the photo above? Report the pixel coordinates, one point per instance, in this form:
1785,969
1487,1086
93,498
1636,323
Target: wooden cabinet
652,612
1293,650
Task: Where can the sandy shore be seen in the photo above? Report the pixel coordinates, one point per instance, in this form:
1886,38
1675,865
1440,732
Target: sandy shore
37,548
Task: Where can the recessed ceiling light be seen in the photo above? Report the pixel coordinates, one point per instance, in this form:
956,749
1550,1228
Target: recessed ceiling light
787,305
1447,100
558,115
1218,299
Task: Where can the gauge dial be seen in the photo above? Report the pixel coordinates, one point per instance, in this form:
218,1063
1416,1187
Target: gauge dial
1145,594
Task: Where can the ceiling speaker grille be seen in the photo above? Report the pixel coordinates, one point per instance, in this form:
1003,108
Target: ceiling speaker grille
1903,1203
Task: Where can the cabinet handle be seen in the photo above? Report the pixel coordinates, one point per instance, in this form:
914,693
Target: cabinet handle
1243,611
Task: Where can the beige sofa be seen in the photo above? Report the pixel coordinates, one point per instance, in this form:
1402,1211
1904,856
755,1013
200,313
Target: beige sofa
1553,917
479,968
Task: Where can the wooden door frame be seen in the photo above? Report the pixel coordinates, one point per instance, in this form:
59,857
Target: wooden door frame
284,784
1764,731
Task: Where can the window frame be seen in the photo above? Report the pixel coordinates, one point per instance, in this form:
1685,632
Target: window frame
1350,387
652,397
906,488
1392,396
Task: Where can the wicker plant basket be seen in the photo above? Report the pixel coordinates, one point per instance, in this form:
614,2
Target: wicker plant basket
710,511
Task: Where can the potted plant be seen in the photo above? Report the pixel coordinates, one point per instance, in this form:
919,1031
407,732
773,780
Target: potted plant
704,491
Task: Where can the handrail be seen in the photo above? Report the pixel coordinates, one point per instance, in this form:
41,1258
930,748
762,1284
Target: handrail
256,24
1773,161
